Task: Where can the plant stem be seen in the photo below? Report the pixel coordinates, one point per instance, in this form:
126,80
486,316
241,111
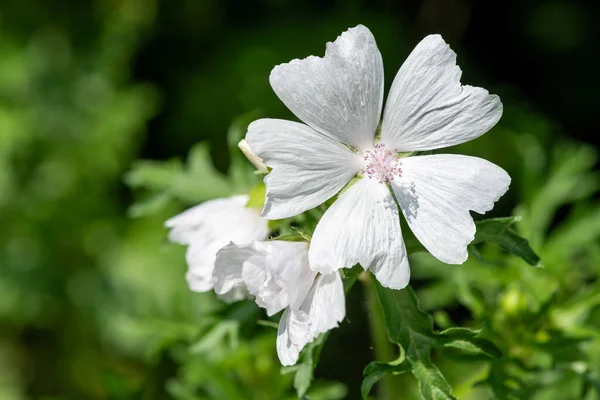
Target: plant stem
384,350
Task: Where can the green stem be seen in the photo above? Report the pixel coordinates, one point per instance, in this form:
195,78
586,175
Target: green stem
384,350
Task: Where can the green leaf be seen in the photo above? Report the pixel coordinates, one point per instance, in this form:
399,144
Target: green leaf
466,339
377,370
256,197
412,329
153,175
306,365
163,181
202,177
227,329
499,230
432,383
151,205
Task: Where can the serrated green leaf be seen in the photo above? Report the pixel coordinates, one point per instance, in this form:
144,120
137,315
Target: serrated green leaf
466,339
412,329
377,370
499,230
432,384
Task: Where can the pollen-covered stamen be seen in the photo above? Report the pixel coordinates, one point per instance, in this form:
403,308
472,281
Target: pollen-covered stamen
382,164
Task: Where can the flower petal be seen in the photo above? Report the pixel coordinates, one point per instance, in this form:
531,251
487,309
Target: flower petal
288,264
435,194
200,258
323,309
292,336
227,273
340,94
208,227
362,226
325,304
276,273
220,219
308,167
427,107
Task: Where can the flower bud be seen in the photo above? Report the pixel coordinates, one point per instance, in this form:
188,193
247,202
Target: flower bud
254,159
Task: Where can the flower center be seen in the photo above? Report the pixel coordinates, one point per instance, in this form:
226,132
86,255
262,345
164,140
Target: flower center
382,164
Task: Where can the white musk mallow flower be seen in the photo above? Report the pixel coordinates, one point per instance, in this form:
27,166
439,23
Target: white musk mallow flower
208,227
278,275
340,98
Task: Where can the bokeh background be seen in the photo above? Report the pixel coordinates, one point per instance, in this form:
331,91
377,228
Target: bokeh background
93,300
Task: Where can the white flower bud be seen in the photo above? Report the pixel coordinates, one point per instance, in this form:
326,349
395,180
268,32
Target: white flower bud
254,159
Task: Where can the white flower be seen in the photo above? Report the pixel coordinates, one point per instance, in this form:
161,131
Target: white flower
277,274
340,98
206,228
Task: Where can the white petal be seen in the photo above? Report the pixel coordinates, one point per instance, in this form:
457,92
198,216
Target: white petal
323,309
340,94
292,325
237,293
435,194
275,272
427,107
288,263
200,258
325,304
208,227
257,276
227,272
308,167
362,226
217,219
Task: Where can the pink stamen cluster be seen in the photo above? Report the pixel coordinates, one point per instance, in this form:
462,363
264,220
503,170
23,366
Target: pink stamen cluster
382,164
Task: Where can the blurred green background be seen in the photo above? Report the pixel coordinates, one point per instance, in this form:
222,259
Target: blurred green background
93,300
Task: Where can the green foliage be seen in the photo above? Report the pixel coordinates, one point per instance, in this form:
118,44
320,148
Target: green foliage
498,230
306,365
412,329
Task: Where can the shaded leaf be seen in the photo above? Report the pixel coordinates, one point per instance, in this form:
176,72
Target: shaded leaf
432,384
377,370
412,329
466,339
499,230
